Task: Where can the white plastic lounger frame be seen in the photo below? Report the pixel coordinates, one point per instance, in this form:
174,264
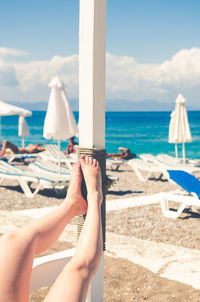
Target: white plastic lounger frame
114,164
139,165
52,153
185,200
50,169
22,157
183,196
8,171
168,164
178,161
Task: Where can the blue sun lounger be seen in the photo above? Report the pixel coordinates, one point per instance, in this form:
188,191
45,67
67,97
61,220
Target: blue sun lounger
190,184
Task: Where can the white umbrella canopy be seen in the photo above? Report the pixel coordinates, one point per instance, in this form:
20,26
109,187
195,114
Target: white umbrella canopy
59,122
179,129
23,129
8,109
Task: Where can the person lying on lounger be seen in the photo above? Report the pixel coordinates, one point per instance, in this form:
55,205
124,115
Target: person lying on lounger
124,153
9,148
72,146
18,248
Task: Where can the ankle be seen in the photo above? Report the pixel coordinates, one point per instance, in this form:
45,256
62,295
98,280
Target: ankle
95,197
68,207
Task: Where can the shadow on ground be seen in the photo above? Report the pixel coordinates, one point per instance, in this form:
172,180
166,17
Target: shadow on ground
122,193
55,193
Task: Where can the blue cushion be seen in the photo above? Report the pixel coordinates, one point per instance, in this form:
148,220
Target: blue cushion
186,181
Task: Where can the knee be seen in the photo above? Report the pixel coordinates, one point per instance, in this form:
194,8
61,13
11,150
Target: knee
18,240
87,266
10,238
93,264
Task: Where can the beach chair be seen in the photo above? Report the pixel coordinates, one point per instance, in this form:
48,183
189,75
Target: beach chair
140,167
26,178
114,164
168,164
190,184
173,160
55,155
22,157
49,168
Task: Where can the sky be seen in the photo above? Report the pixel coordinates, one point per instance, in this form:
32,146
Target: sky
152,49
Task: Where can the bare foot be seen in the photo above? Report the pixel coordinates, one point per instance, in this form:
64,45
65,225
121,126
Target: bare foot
74,196
92,175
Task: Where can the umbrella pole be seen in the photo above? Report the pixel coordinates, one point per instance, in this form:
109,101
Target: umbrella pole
176,150
59,164
22,142
183,153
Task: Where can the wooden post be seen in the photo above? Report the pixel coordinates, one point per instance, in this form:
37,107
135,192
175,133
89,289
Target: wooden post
92,28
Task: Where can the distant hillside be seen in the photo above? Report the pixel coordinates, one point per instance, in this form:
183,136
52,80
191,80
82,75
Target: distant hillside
146,105
111,105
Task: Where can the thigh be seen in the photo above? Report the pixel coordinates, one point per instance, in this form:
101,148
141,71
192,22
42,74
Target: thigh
11,146
16,258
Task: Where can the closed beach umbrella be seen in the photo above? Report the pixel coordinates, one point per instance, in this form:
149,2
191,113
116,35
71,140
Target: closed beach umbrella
8,109
59,122
23,129
179,129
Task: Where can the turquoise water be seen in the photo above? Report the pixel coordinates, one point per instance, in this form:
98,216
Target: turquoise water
142,132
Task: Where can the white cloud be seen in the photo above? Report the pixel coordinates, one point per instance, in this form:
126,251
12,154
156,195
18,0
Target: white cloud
7,75
6,52
125,77
163,82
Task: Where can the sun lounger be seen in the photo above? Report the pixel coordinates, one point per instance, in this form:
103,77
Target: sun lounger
140,167
55,155
49,168
169,164
173,160
24,178
22,157
114,164
187,182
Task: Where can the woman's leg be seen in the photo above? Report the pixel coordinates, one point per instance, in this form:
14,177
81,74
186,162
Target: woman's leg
72,284
18,248
10,146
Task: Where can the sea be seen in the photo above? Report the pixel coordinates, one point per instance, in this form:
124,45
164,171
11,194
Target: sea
141,132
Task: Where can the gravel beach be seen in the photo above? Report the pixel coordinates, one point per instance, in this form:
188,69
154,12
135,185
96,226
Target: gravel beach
124,280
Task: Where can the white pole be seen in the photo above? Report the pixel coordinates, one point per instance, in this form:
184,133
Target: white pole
59,157
22,142
176,150
183,152
92,28
92,73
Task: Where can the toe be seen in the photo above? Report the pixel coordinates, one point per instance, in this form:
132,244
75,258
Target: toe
87,160
76,167
82,159
90,160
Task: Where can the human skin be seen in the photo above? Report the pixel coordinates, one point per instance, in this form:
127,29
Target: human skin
18,248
